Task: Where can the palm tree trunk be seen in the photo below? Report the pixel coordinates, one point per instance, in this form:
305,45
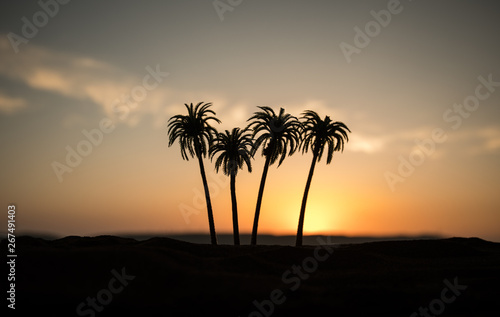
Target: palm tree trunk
259,200
236,233
211,223
300,228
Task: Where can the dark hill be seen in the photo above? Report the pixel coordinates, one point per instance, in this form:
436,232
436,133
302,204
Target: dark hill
176,278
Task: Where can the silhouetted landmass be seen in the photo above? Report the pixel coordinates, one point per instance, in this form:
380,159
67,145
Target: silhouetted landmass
264,239
178,278
267,239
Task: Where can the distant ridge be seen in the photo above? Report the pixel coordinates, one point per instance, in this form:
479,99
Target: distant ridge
285,240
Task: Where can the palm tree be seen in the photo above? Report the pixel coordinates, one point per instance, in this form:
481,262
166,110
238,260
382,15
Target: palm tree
318,134
195,136
279,134
234,150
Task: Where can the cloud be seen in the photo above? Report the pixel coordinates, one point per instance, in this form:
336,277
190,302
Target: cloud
367,138
470,141
84,78
76,77
491,138
10,105
480,141
362,143
63,73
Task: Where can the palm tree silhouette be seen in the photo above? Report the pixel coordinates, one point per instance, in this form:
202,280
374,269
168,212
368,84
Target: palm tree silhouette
195,136
278,133
234,150
317,134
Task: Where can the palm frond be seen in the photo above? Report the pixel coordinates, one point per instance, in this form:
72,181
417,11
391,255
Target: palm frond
194,132
318,134
233,150
278,134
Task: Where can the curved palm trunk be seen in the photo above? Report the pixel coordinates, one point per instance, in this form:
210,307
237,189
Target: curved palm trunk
211,223
300,228
259,201
236,233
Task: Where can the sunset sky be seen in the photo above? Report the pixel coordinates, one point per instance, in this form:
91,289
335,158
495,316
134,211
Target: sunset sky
428,72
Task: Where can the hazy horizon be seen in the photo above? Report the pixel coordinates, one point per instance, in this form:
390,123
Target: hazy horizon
226,238
424,87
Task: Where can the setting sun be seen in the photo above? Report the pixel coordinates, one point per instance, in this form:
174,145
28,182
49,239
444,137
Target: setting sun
319,220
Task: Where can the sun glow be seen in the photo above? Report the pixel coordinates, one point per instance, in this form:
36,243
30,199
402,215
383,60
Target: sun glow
319,219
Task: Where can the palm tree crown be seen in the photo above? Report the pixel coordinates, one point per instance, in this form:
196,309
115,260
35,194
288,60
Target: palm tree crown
193,130
234,150
318,134
279,134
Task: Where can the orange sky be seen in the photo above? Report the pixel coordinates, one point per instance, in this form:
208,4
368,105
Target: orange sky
407,82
